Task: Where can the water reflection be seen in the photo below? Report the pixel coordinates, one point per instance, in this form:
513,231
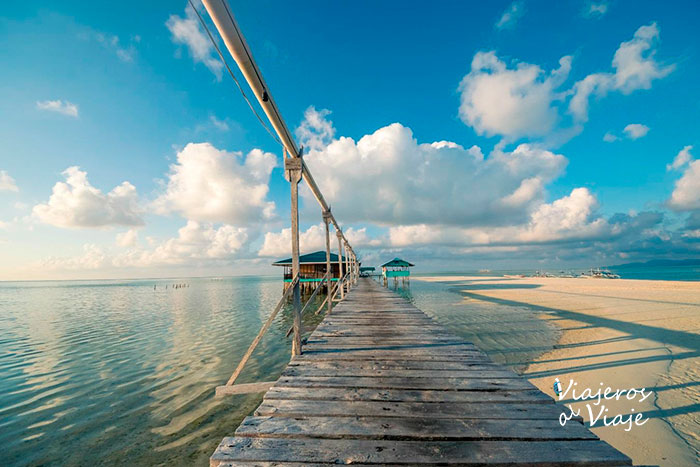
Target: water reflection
116,372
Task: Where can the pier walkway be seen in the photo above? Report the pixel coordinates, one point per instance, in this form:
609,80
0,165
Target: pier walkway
380,382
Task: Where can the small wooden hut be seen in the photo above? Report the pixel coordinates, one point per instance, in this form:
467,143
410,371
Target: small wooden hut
396,268
312,268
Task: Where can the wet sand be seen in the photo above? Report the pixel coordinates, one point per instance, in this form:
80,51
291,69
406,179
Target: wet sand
624,334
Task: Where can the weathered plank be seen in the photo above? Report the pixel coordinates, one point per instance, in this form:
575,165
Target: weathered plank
405,382
503,396
462,410
502,453
405,428
304,371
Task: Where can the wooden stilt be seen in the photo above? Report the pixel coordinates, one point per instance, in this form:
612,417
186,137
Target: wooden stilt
329,288
339,234
293,167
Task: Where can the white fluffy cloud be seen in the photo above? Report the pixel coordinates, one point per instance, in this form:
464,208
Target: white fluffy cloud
686,193
7,183
635,68
316,131
128,239
188,31
195,242
631,131
388,178
312,239
513,102
59,106
682,158
510,17
75,203
568,218
211,185
636,130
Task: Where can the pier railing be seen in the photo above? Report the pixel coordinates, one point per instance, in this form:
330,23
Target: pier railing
295,170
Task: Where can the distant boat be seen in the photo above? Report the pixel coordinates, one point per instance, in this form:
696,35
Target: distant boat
484,270
598,273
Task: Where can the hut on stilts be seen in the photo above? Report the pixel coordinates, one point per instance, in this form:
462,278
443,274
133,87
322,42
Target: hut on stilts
396,268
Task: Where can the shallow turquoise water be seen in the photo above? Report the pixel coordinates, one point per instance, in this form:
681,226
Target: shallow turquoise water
115,372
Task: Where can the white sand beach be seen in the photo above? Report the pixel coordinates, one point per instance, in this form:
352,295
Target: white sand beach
624,334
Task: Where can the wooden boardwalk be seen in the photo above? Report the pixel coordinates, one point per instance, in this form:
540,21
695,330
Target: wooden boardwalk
380,382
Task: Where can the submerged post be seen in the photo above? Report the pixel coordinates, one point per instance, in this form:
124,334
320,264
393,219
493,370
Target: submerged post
329,276
292,166
339,234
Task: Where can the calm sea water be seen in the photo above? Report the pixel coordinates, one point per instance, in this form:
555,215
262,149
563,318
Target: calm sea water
115,372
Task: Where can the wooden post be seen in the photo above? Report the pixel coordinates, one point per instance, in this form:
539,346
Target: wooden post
339,234
347,263
329,284
293,167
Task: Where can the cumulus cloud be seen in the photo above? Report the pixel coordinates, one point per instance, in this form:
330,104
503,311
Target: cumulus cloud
128,239
212,185
312,239
686,193
315,131
513,102
636,130
635,68
7,183
195,244
568,218
631,131
510,17
610,138
439,182
682,158
75,203
59,106
195,241
187,31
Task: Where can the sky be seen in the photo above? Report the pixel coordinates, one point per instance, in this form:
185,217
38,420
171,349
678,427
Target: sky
457,135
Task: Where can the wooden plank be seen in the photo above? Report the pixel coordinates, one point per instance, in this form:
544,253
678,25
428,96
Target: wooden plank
462,410
320,356
502,453
444,384
405,428
401,372
395,365
503,396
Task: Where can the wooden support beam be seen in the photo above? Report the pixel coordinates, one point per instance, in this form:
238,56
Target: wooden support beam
339,234
292,166
247,388
329,288
262,332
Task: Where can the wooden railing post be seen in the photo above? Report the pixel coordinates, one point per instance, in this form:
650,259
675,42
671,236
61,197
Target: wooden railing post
339,234
293,167
347,264
329,276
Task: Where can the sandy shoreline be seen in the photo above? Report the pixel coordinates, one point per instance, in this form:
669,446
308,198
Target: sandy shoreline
624,334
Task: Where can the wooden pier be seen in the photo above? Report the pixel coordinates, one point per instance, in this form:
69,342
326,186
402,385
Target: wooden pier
380,382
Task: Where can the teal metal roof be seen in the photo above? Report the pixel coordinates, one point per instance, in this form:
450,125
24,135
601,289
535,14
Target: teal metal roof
397,263
317,257
367,268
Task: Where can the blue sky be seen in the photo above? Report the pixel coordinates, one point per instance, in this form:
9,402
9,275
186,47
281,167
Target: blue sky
176,176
